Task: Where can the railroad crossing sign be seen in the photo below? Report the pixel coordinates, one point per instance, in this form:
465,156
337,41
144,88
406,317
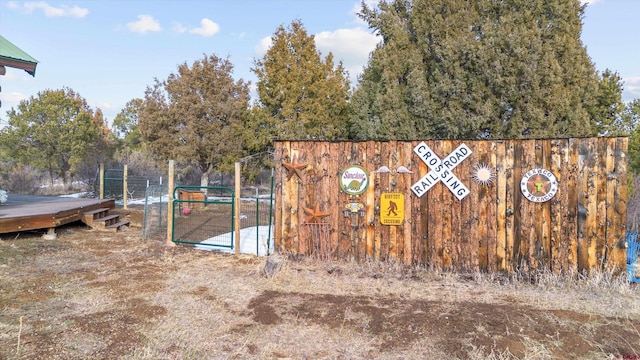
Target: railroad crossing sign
441,170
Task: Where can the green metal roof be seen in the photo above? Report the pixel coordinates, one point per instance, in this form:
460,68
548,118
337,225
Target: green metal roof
13,56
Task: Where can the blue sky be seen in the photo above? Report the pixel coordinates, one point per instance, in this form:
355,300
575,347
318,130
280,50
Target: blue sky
110,51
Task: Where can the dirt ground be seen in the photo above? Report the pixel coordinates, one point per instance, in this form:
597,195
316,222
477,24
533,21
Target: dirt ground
95,295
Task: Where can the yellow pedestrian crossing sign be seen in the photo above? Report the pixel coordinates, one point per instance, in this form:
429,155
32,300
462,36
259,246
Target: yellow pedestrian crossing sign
391,208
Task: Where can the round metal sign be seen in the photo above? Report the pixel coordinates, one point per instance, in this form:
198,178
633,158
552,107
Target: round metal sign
354,180
539,185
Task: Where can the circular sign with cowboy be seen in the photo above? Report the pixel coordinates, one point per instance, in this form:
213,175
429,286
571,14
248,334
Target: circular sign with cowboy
539,185
354,180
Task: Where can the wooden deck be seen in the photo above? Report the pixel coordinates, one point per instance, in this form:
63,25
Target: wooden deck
28,212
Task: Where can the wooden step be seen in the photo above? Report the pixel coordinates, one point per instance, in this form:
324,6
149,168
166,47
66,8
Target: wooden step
103,222
96,211
91,216
117,226
100,219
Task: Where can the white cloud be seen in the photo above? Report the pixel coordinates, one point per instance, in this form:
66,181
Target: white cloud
263,46
52,11
207,28
357,7
239,35
351,46
102,105
11,74
631,88
590,2
178,28
144,24
11,99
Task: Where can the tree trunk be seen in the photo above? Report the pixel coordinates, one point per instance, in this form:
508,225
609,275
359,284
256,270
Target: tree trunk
51,175
204,178
66,180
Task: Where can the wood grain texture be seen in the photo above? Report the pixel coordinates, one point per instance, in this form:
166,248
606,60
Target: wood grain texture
494,228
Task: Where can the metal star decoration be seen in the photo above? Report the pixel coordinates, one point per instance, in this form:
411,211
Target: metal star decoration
294,168
315,215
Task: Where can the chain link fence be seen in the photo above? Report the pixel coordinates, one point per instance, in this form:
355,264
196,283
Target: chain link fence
114,186
257,218
255,206
203,216
156,209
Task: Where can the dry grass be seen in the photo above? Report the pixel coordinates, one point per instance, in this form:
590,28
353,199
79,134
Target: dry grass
88,295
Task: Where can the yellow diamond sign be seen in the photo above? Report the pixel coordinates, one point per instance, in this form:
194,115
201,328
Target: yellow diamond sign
391,208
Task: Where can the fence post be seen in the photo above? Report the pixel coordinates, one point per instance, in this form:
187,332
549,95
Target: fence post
257,221
270,213
125,190
236,211
101,181
170,185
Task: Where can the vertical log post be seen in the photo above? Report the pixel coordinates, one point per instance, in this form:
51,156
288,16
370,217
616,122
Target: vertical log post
101,181
125,190
236,209
170,186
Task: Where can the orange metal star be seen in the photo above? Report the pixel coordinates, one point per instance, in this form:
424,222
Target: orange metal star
294,168
315,215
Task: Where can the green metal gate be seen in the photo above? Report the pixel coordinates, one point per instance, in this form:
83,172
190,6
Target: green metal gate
203,215
113,180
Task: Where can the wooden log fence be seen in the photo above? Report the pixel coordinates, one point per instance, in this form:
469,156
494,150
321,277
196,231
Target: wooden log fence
495,226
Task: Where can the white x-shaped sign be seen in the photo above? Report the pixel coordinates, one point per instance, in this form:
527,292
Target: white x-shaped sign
441,170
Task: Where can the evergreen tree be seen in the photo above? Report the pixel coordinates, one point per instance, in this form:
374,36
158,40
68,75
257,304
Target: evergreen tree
125,125
53,132
631,117
195,116
608,110
469,69
301,96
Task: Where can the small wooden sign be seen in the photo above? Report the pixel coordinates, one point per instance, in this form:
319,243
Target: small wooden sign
391,208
